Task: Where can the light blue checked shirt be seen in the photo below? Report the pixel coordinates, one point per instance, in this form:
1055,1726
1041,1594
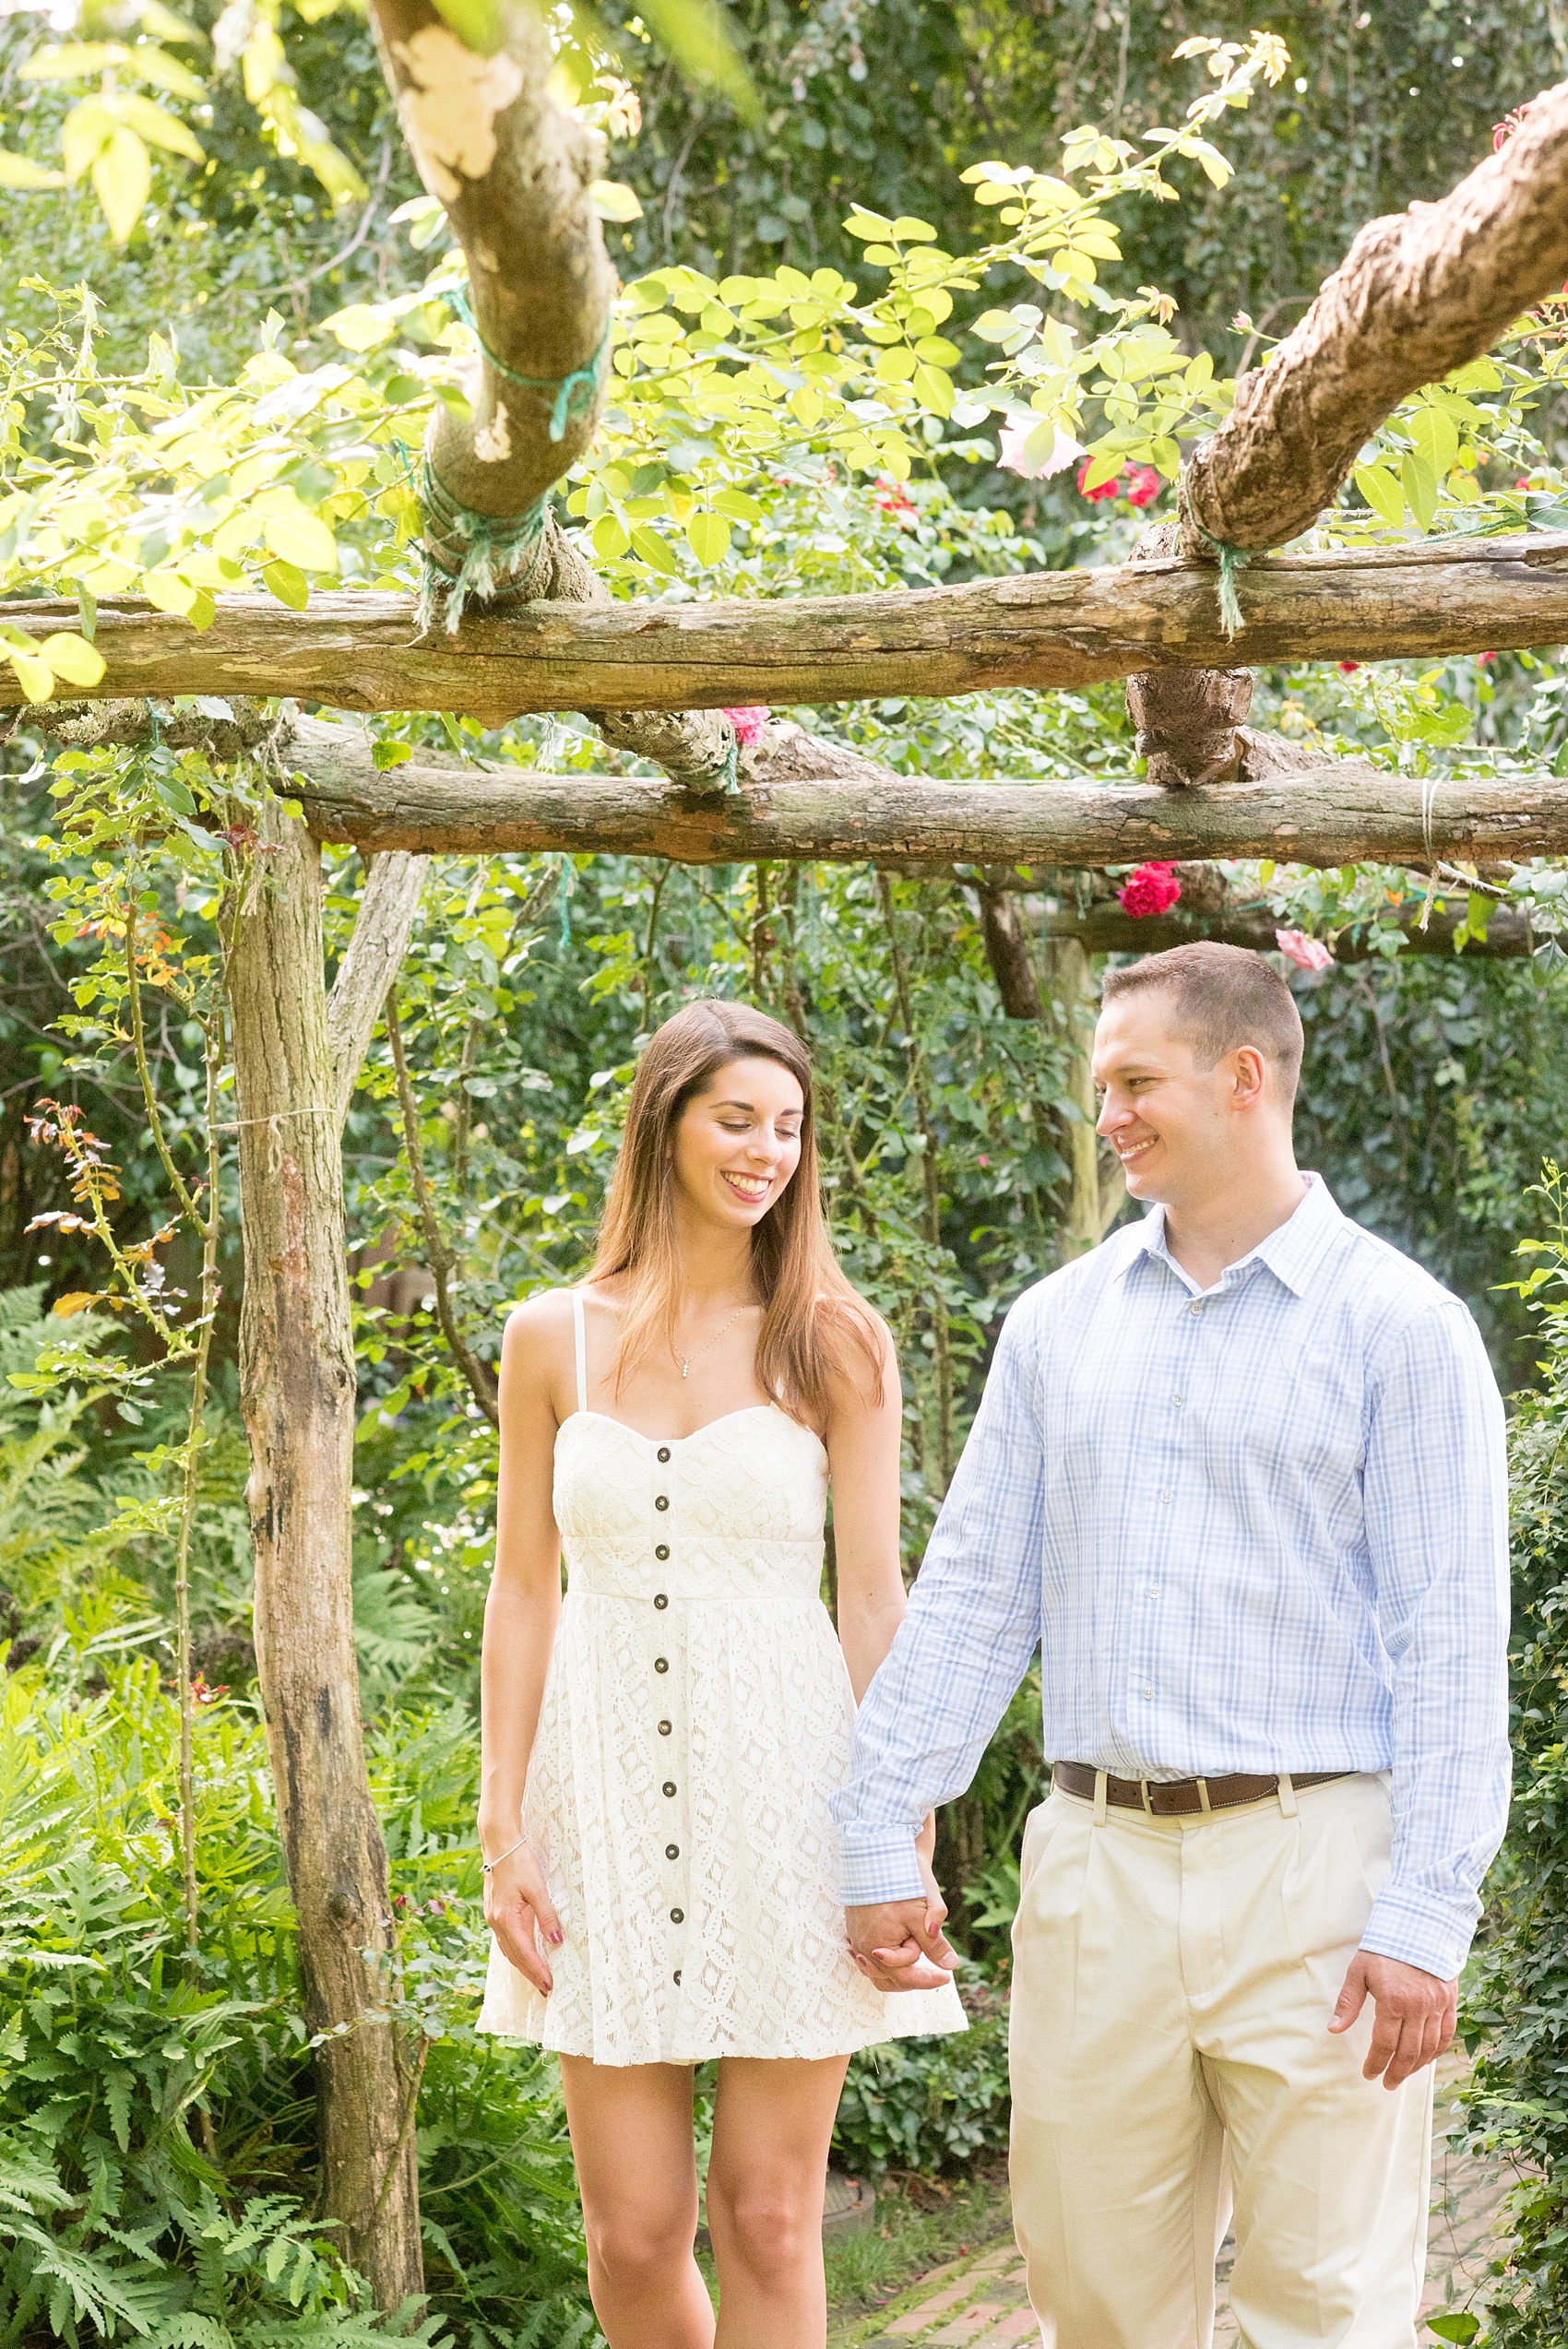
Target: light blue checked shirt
1259,1527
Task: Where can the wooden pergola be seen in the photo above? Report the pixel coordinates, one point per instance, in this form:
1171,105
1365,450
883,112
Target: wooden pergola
1417,295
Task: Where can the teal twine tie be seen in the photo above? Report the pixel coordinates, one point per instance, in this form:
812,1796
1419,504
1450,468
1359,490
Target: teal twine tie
496,550
574,394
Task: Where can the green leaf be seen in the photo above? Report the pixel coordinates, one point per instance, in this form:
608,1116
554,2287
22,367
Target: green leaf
122,174
609,538
301,537
1102,468
613,200
708,535
290,586
695,34
386,755
479,25
738,505
649,548
1436,437
1457,2325
19,171
1381,492
1420,488
73,658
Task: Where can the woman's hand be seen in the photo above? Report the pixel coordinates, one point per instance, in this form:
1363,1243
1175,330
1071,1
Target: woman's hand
517,1908
926,1851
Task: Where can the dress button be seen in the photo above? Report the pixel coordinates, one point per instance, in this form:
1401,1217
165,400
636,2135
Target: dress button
661,1664
661,1552
661,1500
660,1600
664,1451
672,1851
677,1916
670,1785
677,1978
664,1728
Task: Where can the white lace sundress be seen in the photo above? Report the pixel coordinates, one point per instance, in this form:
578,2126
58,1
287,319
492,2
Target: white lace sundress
696,1716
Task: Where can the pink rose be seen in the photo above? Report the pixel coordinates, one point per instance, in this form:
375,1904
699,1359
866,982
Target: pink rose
748,723
1307,954
1152,889
1015,438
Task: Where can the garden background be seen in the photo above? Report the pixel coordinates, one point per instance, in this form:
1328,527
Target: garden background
158,2154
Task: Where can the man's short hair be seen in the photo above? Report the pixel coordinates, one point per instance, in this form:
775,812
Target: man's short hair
1222,997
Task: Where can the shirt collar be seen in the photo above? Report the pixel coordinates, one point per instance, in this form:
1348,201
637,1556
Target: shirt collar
1293,1251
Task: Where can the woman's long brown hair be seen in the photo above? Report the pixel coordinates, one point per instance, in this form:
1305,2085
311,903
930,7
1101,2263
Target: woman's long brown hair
815,1330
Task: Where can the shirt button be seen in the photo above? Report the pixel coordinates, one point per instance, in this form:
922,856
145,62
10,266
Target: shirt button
1196,1306
1178,1400
661,1664
1167,1495
672,1851
662,1550
660,1601
661,1500
1154,1590
664,1728
670,1785
677,1916
663,1451
1148,1695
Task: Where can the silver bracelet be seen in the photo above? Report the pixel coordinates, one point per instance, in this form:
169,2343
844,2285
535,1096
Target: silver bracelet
485,1866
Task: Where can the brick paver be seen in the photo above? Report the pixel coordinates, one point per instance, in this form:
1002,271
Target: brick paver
981,2301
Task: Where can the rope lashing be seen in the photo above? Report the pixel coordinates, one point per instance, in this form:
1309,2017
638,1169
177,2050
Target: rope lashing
574,394
1230,560
496,550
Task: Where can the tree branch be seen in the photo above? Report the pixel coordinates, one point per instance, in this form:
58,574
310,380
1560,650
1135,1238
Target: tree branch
1419,293
441,1256
362,651
389,909
1337,813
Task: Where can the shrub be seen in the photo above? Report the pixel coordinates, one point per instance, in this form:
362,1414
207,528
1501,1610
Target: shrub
929,2105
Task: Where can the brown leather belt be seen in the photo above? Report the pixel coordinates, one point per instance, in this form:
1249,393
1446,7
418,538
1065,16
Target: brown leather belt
1180,1797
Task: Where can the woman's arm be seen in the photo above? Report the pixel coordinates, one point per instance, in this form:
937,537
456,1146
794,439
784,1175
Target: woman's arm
864,1440
521,1617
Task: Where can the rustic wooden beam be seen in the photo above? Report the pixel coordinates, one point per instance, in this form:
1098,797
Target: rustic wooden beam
1043,629
1329,815
1107,929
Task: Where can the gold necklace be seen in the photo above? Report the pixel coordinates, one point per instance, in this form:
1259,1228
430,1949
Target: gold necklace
686,1360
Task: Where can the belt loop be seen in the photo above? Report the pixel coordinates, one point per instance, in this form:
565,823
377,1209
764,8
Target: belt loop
1204,1803
1100,1782
1148,1805
1287,1792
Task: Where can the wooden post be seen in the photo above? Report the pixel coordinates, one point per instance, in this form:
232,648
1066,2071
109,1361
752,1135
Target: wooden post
294,1066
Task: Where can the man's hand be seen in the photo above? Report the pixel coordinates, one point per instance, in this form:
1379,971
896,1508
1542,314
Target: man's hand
1416,2014
899,1945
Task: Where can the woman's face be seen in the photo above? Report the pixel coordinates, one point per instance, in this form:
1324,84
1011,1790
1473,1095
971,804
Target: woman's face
738,1142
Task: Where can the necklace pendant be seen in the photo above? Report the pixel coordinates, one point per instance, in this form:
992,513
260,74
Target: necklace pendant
685,1366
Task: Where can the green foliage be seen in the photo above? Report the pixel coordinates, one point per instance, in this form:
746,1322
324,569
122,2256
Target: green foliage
927,2105
1517,2010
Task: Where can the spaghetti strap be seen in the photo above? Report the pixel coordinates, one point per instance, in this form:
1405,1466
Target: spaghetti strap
582,1348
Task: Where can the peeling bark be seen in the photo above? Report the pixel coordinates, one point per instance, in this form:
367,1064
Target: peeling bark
362,651
1330,814
292,1067
1419,293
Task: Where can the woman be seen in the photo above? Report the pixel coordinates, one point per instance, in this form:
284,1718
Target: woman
660,1748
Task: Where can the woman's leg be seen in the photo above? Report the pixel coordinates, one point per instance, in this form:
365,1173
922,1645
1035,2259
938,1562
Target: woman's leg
771,2125
637,2168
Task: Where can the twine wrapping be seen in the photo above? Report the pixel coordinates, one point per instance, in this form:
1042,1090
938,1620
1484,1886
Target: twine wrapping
496,550
574,394
1230,560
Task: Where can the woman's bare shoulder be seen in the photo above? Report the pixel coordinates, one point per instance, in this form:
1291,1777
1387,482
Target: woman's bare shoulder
540,1323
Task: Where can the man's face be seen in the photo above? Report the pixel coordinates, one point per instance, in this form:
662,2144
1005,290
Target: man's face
1172,1123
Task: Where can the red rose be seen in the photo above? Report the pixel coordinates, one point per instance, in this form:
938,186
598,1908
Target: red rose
1143,484
1152,889
1349,668
1105,488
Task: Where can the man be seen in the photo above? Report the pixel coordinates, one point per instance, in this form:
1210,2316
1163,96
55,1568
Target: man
1239,1473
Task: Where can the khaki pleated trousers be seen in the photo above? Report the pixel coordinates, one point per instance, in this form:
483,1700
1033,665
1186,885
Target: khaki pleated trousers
1173,1980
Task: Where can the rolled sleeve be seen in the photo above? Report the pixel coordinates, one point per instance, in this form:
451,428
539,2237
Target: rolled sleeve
972,1626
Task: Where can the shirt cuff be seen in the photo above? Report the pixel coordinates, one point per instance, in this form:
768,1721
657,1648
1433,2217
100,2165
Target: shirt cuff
1425,1933
879,1867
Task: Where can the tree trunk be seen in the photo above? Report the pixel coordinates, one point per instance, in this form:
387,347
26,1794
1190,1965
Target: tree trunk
297,1377
1093,1197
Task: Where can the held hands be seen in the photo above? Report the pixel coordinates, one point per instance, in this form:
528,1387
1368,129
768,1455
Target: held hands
1416,2014
899,1945
517,1910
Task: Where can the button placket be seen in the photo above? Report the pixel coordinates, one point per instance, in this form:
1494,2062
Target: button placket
666,1696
